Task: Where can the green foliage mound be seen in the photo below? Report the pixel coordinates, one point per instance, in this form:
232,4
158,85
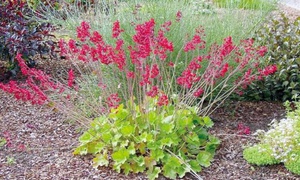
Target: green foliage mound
157,139
281,144
260,154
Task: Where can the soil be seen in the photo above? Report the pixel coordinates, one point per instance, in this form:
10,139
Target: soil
41,141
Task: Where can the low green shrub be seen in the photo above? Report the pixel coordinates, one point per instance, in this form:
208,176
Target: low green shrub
157,140
280,144
282,38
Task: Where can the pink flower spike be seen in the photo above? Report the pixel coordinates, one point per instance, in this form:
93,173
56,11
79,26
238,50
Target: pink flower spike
163,100
178,16
71,78
116,30
153,92
83,31
199,92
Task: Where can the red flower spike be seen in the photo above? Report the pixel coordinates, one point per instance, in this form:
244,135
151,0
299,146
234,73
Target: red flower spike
199,92
71,78
116,30
83,31
154,71
163,100
178,16
130,75
113,100
96,38
153,92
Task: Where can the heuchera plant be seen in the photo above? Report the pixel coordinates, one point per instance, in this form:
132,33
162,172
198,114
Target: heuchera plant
19,34
144,116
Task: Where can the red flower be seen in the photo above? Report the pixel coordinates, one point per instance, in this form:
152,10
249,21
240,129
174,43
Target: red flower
116,30
178,16
192,45
163,100
153,92
224,70
199,92
71,78
269,70
130,75
171,64
62,47
187,78
262,51
154,71
227,47
113,100
194,65
83,31
73,46
96,38
243,130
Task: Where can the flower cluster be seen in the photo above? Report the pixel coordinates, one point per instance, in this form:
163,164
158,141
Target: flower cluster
243,130
149,72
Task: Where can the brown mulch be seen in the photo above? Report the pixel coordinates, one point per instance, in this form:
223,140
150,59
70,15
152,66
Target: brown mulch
42,140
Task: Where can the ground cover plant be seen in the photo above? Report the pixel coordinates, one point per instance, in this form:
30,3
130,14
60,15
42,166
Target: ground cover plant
280,144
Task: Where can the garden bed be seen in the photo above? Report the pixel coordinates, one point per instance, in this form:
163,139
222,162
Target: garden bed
41,142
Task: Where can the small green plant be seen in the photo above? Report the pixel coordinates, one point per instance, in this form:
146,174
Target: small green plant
10,160
280,144
155,139
2,141
282,38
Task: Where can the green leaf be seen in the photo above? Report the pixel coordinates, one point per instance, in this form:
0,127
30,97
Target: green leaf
169,171
126,167
152,115
208,122
81,150
166,141
95,147
137,168
166,128
131,148
100,160
168,119
182,170
204,158
86,137
127,130
157,154
120,156
106,137
195,165
141,147
174,161
153,174
2,141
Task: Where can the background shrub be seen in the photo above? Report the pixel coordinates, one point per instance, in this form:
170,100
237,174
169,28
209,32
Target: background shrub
282,37
20,34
